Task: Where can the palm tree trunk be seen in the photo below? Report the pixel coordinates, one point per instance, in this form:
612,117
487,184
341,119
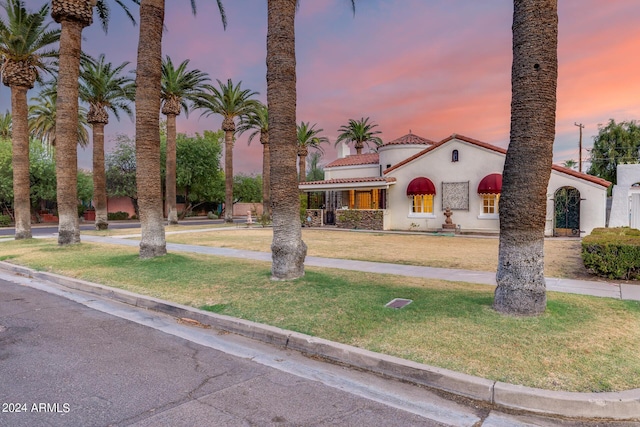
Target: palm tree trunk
228,176
287,249
302,165
148,78
20,162
172,212
99,177
266,175
67,131
359,145
521,285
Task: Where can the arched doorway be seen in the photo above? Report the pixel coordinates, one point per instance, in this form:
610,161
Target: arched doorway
567,212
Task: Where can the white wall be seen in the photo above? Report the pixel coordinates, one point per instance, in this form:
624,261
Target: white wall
593,206
393,154
474,164
626,176
358,171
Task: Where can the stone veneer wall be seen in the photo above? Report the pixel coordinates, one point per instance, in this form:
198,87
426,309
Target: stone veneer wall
366,219
316,217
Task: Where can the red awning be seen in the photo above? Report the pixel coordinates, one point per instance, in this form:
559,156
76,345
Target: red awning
490,184
420,186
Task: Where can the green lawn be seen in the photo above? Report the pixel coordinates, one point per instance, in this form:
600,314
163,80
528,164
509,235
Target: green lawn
580,344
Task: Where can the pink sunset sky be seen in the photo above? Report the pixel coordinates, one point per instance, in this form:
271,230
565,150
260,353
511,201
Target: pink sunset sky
435,67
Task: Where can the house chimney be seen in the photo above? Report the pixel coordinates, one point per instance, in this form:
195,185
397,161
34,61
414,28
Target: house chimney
343,150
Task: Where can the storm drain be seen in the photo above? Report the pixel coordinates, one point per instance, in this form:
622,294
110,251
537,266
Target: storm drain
398,303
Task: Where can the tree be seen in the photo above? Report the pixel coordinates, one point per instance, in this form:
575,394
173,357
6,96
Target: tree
104,88
73,16
288,250
198,168
257,122
360,132
148,96
120,171
178,87
248,189
230,101
25,43
571,164
521,286
42,118
615,143
5,125
316,172
307,138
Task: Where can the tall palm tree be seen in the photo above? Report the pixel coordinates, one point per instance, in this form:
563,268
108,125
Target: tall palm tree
42,119
257,122
287,249
25,42
521,286
73,16
360,132
178,87
104,88
230,101
148,99
307,138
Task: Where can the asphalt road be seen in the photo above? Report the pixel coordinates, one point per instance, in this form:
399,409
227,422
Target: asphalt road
65,364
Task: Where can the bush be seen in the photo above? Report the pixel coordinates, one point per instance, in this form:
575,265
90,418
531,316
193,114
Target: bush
5,220
117,216
613,252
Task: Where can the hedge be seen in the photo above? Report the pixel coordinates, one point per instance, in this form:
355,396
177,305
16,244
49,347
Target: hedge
613,252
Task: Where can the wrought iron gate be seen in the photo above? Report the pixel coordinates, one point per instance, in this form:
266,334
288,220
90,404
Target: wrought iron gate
567,212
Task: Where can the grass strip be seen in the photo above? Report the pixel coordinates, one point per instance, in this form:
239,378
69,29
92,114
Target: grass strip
581,343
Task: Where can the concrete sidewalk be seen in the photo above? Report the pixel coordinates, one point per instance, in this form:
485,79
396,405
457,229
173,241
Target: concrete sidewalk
582,287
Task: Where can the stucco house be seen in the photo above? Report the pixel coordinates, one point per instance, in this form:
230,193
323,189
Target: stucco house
410,182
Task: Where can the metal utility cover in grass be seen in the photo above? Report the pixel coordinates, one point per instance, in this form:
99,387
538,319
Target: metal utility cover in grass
398,303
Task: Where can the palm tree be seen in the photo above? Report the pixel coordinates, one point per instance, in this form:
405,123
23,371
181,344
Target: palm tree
521,286
229,101
24,43
148,98
360,132
104,89
257,122
307,138
42,119
73,16
571,164
288,250
178,87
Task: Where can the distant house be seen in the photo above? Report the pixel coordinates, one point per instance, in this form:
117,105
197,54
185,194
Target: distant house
625,206
410,182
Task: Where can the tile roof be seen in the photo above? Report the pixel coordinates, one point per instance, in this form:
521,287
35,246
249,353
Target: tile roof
561,169
362,159
349,180
409,139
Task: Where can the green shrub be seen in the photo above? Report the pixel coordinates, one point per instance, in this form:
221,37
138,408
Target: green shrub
117,216
613,252
5,220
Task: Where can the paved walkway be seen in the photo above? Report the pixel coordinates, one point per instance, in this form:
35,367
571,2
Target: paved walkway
582,287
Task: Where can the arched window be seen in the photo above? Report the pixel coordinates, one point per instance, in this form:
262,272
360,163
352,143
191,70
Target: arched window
454,156
489,190
421,191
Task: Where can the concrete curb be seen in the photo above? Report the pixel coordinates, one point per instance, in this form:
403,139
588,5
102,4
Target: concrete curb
623,405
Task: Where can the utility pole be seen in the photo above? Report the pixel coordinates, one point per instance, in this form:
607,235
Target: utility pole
581,126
